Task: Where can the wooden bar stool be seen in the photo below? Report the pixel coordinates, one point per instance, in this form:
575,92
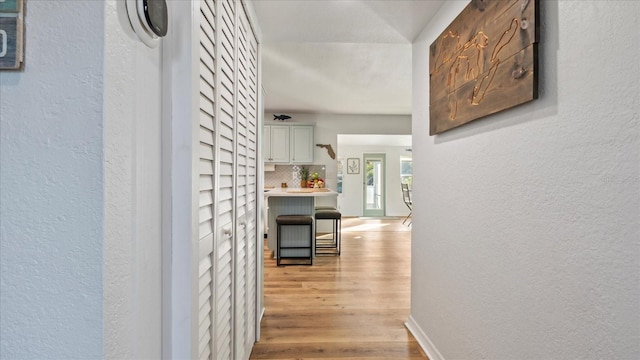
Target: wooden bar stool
333,246
295,245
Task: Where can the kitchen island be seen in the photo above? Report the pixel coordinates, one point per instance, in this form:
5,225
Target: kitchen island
290,201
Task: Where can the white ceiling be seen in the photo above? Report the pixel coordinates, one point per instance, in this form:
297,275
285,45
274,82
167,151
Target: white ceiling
340,56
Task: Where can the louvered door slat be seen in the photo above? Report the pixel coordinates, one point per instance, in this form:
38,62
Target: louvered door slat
206,169
205,150
207,64
206,182
205,322
207,50
224,282
223,300
252,241
225,267
206,112
206,90
206,198
204,345
245,290
207,9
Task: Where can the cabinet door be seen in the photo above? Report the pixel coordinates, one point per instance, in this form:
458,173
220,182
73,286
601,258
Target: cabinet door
279,144
301,144
266,143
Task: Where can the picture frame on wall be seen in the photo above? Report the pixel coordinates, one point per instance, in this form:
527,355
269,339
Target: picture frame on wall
484,62
353,166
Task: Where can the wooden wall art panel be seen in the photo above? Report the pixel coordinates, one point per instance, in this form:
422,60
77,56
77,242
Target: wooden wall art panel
485,61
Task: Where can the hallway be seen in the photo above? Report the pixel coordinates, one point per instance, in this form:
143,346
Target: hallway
353,306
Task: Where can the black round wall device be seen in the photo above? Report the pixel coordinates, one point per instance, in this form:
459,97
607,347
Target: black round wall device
149,20
155,13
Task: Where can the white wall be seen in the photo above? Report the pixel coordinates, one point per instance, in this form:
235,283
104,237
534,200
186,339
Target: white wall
80,180
133,244
51,187
351,201
527,223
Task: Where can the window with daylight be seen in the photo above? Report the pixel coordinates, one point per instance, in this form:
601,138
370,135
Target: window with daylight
406,171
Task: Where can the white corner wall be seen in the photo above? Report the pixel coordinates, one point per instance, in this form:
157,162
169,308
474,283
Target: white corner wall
80,188
51,187
527,223
133,194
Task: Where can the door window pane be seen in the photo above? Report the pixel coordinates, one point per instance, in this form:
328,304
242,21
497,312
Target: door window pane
406,171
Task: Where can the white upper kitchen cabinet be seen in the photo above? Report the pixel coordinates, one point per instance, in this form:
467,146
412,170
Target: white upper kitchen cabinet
301,144
288,144
276,144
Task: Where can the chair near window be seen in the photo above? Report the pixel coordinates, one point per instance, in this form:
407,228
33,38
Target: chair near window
406,196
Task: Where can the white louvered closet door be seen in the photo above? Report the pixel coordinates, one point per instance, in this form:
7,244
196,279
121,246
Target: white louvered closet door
228,237
252,190
255,237
245,293
241,202
225,267
207,179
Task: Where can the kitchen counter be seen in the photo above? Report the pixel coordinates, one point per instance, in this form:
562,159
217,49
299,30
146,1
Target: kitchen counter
299,192
290,201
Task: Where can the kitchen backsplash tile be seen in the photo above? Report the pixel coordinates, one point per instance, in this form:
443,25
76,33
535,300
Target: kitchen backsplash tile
289,174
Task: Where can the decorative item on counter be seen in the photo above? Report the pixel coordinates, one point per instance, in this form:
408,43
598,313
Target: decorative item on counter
304,176
315,181
283,185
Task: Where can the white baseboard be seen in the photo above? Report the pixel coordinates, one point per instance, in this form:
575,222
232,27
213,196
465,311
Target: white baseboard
259,324
423,340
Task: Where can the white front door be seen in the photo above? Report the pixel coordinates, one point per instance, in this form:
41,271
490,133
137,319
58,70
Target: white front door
374,184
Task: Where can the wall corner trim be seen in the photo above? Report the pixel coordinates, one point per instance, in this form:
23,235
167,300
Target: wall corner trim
422,339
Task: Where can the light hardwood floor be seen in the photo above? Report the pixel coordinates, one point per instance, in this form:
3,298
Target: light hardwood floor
348,307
